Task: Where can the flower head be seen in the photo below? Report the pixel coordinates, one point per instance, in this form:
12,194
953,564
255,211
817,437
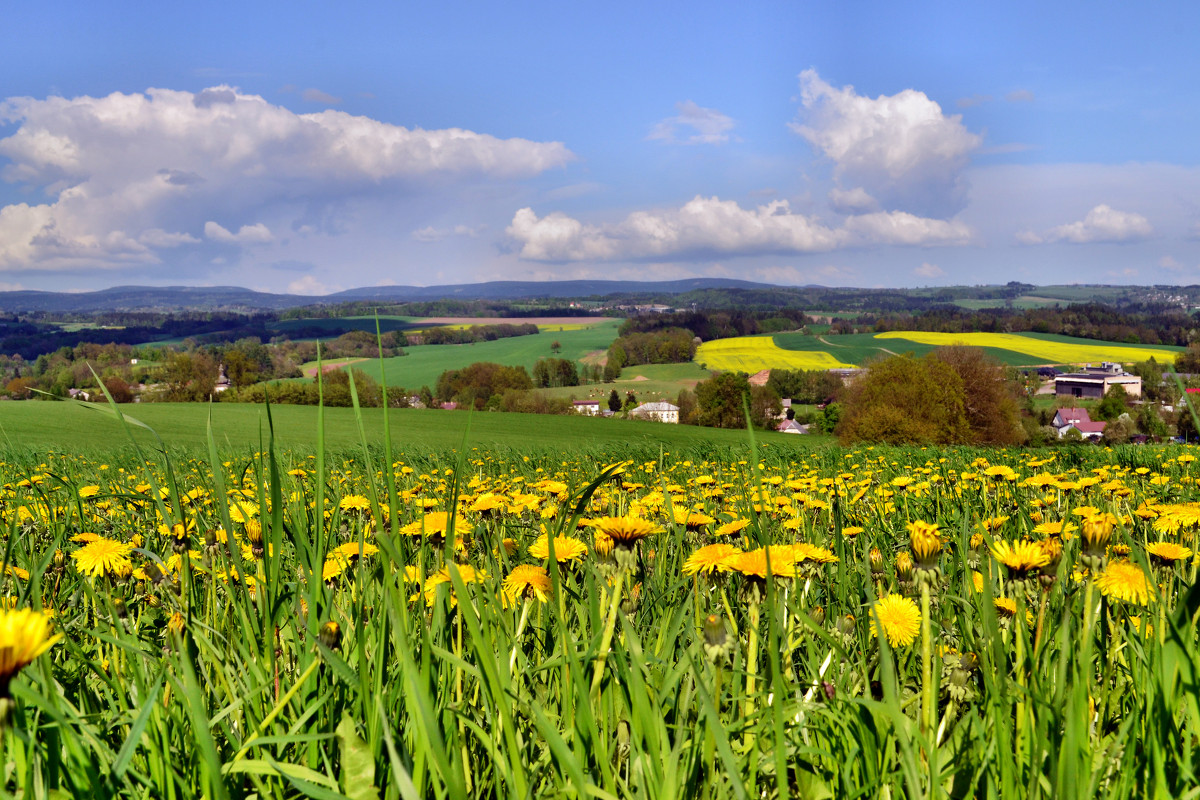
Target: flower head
1124,580
24,635
710,559
1167,553
625,531
526,581
899,618
104,557
566,549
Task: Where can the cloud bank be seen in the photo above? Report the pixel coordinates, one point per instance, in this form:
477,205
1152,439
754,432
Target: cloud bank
129,174
1102,224
708,226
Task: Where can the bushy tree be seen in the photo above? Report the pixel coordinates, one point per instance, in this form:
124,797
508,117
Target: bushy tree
614,401
477,383
722,402
990,399
1114,403
906,400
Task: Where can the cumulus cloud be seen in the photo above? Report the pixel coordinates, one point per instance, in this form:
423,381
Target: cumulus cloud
901,148
310,286
708,126
928,270
1102,224
852,201
247,234
710,226
1019,96
119,168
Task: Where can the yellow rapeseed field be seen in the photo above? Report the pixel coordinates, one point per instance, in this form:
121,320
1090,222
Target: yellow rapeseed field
1049,352
754,353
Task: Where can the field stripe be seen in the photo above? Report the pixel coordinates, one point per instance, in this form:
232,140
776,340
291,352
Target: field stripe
1045,351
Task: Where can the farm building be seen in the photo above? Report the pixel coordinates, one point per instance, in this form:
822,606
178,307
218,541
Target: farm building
1080,420
1093,382
590,408
659,412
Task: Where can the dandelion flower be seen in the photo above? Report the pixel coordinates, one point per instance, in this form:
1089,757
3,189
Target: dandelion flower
710,559
754,564
526,581
104,557
24,635
625,531
899,618
1167,553
354,502
1124,580
566,549
1020,557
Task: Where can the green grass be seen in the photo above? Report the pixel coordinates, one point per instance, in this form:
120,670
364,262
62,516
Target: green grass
73,427
662,382
422,364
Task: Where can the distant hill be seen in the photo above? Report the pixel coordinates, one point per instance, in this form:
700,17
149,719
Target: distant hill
233,298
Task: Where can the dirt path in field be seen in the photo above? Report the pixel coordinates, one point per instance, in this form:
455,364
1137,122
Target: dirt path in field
823,340
597,357
330,366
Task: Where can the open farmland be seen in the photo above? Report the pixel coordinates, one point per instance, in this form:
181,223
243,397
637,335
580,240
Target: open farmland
421,365
754,353
806,351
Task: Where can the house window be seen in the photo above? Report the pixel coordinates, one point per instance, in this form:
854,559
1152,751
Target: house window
1076,392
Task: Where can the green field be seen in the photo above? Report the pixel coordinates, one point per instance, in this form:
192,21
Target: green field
649,382
422,364
76,428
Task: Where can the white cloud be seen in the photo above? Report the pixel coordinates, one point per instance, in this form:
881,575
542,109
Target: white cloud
1019,96
432,234
710,226
928,270
709,125
852,201
247,234
317,96
158,238
123,169
1102,224
310,286
901,147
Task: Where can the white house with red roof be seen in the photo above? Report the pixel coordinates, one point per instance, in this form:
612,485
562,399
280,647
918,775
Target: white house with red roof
1080,420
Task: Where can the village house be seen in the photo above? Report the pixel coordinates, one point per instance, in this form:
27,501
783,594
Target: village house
589,408
658,412
1079,419
1093,382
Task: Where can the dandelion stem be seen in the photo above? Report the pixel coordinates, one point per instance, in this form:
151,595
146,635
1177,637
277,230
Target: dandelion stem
928,709
512,659
606,638
751,671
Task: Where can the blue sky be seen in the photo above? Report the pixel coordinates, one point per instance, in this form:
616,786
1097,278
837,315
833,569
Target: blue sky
306,147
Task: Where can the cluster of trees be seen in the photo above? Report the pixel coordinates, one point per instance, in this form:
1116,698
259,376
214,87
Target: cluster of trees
718,324
805,386
438,308
953,395
554,372
480,382
720,402
476,333
665,346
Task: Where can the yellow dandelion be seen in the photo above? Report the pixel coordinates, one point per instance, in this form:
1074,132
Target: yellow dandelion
526,581
899,618
710,559
354,502
1167,553
566,549
104,557
754,564
924,539
1020,557
24,635
1126,581
625,531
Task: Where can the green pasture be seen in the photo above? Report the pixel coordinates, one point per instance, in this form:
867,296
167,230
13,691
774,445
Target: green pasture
74,427
649,382
421,365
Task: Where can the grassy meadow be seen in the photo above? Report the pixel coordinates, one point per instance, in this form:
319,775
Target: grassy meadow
246,615
421,365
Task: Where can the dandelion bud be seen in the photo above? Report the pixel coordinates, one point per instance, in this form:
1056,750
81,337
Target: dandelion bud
254,531
846,625
876,559
60,560
119,608
717,644
330,635
1097,531
904,567
818,615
